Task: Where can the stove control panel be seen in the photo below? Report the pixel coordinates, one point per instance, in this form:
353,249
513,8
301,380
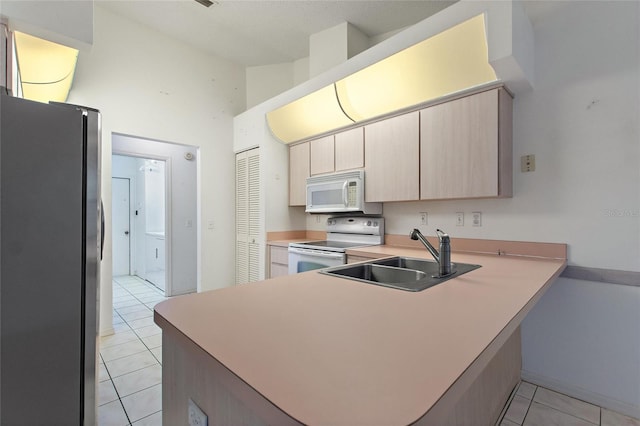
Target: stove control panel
356,225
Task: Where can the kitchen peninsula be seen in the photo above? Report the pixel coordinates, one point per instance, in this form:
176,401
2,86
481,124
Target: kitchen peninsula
314,349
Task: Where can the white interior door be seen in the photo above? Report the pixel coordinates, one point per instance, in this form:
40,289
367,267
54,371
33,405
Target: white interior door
121,227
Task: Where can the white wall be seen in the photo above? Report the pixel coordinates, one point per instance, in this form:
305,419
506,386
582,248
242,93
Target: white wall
266,81
64,22
333,46
582,339
149,85
581,122
300,71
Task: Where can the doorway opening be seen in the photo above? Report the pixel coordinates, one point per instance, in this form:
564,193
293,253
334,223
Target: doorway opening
139,191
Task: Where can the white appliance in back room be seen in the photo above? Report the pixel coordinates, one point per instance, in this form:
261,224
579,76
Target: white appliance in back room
343,233
50,251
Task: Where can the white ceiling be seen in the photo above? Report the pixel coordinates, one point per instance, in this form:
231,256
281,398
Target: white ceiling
261,32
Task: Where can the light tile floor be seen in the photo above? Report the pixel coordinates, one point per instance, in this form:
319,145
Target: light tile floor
130,388
537,406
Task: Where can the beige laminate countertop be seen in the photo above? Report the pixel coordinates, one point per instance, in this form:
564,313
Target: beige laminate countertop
334,351
285,243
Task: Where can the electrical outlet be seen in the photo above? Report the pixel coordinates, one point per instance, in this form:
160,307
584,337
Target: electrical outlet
211,225
459,218
476,219
197,417
424,218
528,163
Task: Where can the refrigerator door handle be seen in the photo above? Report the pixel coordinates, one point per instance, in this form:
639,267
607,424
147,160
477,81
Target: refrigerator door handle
101,229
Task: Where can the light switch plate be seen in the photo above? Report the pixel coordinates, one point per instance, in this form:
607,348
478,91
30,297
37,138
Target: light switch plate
459,218
424,218
528,163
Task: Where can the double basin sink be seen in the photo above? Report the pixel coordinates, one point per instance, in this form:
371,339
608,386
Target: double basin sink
404,273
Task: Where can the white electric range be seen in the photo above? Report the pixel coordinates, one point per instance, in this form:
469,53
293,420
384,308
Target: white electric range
343,232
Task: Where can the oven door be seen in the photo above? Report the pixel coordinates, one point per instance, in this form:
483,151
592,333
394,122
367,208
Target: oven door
302,259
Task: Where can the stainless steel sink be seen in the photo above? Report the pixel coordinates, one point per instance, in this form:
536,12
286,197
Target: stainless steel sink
378,273
402,273
429,267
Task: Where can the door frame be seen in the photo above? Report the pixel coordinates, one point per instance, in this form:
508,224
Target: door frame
168,282
128,218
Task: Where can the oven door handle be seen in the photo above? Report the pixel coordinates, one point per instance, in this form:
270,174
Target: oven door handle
310,252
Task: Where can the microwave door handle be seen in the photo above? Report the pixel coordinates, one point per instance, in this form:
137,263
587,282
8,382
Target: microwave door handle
345,199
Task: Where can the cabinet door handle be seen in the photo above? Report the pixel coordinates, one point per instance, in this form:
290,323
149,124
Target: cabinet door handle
156,253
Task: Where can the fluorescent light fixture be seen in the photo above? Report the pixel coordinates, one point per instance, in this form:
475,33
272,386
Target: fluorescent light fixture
46,68
308,116
449,62
454,60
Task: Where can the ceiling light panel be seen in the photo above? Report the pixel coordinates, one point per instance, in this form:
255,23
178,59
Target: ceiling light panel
454,60
46,68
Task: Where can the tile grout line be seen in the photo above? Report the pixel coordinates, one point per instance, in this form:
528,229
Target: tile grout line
530,404
577,399
138,338
568,414
117,393
152,414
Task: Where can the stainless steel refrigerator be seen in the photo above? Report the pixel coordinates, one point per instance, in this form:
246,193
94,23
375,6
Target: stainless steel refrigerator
50,250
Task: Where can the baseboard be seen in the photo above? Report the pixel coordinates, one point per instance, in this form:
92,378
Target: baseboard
582,394
107,332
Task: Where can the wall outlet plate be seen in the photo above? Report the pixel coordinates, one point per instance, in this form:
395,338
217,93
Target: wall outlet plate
476,219
424,218
528,163
196,417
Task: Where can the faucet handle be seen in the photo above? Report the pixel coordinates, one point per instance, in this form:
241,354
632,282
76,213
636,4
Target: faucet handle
442,236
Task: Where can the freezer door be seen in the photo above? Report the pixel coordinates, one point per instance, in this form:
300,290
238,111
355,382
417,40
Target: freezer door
43,267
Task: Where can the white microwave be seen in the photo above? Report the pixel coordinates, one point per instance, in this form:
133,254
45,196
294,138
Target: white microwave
338,193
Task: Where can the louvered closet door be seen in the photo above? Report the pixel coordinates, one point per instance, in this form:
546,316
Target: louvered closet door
248,216
254,214
242,219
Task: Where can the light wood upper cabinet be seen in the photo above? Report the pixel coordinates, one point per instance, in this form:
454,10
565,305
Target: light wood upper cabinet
349,149
392,159
298,174
322,155
465,147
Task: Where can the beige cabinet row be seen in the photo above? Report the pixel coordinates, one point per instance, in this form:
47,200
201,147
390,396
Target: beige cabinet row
334,153
452,150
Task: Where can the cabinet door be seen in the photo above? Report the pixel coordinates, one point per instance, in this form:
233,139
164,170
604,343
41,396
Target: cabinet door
278,261
349,147
298,174
321,155
391,157
460,148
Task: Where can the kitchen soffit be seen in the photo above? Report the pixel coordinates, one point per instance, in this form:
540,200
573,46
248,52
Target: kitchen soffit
449,62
